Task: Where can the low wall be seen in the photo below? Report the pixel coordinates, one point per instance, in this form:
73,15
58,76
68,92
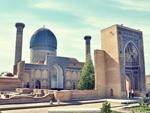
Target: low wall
36,97
24,90
26,99
68,95
84,94
33,91
45,91
9,84
64,95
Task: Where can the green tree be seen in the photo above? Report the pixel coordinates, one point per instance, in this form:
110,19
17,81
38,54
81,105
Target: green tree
106,108
87,79
2,73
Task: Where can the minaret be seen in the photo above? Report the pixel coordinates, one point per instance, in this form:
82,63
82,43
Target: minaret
18,48
87,46
19,36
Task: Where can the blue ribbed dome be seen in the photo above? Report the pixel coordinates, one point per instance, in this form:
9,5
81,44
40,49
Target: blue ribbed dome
43,39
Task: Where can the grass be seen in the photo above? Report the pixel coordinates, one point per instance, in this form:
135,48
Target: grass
140,109
115,112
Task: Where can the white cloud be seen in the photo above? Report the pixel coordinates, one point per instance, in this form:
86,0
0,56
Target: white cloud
137,5
51,5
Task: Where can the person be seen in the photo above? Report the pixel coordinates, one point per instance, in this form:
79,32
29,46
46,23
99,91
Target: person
51,102
58,101
129,94
28,85
147,95
132,93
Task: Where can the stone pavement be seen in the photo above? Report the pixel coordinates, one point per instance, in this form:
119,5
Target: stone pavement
46,104
74,110
44,107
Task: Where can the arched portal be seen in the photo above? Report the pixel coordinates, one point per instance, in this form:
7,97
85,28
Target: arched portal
132,68
57,78
37,84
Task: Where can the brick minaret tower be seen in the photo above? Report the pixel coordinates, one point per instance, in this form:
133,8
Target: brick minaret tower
18,48
87,46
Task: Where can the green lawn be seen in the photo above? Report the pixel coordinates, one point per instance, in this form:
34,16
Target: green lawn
139,109
115,112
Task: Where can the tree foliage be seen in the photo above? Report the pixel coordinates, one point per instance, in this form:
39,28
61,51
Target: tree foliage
87,79
2,73
9,74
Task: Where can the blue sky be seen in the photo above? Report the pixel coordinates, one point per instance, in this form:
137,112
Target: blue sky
70,20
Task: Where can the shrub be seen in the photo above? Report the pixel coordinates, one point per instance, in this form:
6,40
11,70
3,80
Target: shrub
106,108
9,74
143,103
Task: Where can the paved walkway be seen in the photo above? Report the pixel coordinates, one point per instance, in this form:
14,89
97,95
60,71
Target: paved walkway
44,107
46,104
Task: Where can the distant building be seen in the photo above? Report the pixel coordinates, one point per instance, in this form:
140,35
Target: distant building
46,70
119,66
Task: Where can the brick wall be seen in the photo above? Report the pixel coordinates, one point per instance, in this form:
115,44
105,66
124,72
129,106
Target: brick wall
83,94
68,95
9,83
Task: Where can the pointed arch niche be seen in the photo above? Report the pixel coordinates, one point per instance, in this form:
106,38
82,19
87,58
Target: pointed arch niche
132,68
57,78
